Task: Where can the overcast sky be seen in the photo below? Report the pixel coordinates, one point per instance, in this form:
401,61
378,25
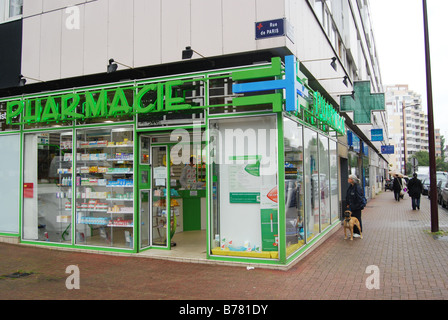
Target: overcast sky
399,38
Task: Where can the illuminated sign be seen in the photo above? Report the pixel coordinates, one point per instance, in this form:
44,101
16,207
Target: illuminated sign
65,107
170,96
363,102
320,110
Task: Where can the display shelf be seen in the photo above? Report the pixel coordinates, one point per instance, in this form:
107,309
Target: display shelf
105,170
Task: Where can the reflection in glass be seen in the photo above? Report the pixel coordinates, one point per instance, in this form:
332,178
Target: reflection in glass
334,194
294,188
160,206
145,219
243,187
324,183
47,194
105,187
311,184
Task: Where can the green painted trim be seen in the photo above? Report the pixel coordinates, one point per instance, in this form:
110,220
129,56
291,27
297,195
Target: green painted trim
274,70
67,128
22,170
89,248
245,114
74,186
209,186
281,189
156,248
10,132
93,125
163,129
168,197
136,190
244,260
16,235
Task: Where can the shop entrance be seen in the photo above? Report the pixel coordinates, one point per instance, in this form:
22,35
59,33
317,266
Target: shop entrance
172,195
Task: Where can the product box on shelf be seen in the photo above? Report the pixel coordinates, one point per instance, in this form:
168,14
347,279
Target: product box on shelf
65,219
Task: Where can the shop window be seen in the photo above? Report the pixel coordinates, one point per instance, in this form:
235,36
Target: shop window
47,187
324,183
311,179
244,187
294,187
105,187
9,187
334,184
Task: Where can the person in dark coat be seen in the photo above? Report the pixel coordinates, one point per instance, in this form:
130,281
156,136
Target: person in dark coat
356,201
397,186
415,189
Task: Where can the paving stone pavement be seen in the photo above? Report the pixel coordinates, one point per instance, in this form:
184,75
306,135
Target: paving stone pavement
411,263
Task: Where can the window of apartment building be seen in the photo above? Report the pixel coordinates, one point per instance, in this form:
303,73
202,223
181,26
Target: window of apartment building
10,9
318,9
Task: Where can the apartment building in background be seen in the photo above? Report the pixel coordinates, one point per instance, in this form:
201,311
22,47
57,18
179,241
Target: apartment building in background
411,132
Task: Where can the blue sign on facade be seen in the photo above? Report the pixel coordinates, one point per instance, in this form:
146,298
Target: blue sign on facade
376,135
387,149
353,141
268,29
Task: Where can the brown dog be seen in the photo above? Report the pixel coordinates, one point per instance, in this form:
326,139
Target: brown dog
349,223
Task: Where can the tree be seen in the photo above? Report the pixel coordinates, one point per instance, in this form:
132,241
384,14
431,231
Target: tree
423,161
422,158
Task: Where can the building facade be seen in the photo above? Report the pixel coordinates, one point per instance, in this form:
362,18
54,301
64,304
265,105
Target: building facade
130,125
401,101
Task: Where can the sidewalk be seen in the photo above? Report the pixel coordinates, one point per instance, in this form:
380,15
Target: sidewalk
412,264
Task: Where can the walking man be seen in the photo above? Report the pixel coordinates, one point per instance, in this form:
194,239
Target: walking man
415,189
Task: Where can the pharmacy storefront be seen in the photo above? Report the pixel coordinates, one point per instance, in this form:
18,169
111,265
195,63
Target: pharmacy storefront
246,157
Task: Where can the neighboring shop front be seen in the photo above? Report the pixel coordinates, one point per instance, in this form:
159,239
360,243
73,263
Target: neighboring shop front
247,156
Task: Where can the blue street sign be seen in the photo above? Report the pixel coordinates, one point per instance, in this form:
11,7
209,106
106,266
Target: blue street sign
376,135
268,29
387,149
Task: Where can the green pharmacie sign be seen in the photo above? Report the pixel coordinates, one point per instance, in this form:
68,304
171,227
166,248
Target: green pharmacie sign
107,103
165,97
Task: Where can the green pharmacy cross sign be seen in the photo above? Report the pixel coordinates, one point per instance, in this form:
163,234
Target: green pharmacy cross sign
363,103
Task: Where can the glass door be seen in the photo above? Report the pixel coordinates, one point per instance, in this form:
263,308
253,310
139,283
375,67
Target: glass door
160,219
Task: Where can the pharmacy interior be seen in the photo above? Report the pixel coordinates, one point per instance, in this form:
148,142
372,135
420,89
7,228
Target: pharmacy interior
247,156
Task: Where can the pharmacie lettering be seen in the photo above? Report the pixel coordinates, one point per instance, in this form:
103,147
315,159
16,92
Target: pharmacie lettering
68,107
325,113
